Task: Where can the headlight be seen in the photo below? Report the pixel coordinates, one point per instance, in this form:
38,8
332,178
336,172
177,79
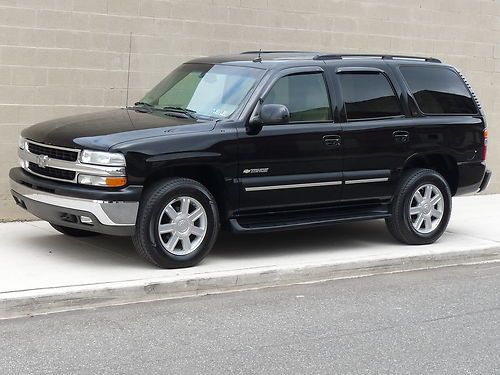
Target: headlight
103,158
102,181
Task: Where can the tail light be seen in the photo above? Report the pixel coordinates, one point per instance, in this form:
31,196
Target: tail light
485,145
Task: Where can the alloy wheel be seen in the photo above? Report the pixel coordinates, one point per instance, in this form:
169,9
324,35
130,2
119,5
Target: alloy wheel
182,225
426,208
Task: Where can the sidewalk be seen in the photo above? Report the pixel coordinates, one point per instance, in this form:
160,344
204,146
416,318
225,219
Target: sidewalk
41,270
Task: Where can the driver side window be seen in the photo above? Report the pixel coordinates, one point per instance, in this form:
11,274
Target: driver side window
305,95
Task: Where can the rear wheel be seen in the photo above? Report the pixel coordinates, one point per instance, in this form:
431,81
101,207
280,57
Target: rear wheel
73,232
421,208
177,224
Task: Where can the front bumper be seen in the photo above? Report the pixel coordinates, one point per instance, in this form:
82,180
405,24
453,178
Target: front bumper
82,208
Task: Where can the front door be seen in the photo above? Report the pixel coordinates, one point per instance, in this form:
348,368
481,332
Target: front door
298,164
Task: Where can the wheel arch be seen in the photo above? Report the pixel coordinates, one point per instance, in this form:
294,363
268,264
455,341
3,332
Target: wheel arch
444,164
206,174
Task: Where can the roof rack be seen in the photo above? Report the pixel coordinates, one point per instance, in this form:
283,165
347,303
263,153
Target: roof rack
262,52
384,57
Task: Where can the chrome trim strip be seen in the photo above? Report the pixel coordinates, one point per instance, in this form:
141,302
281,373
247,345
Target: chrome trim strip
366,180
293,186
108,213
72,166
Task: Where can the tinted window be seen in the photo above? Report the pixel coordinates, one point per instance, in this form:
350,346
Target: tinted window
438,90
368,95
305,95
209,90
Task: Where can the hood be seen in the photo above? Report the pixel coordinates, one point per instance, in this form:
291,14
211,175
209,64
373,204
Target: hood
102,130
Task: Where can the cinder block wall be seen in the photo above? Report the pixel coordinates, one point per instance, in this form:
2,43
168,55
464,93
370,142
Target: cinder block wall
61,57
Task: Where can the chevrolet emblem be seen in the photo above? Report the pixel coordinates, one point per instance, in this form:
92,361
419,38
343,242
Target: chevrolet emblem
42,161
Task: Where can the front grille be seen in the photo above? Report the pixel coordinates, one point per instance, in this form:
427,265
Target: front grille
53,153
52,172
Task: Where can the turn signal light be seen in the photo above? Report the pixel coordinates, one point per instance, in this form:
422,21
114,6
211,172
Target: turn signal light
102,181
116,181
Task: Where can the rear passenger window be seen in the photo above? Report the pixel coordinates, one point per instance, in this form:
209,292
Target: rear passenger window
305,96
368,96
438,90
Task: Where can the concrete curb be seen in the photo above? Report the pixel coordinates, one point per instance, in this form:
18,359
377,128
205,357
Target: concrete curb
41,301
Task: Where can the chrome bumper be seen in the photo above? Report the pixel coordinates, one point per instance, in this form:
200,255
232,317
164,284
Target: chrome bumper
107,213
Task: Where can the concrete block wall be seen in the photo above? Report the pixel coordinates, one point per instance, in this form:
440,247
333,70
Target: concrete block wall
61,57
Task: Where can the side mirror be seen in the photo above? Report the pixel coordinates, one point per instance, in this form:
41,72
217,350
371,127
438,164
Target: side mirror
274,114
269,114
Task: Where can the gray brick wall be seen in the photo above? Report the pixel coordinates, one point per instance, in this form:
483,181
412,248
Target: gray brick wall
60,57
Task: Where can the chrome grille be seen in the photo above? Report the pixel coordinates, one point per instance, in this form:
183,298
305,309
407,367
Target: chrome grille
54,153
60,163
60,174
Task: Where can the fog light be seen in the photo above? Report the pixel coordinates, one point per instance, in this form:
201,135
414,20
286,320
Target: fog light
85,220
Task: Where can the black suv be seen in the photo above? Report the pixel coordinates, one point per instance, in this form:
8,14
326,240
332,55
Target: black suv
262,141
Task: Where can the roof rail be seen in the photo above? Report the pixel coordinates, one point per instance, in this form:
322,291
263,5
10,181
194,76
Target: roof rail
257,52
384,57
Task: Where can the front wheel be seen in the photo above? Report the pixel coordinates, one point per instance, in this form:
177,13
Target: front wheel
421,208
177,223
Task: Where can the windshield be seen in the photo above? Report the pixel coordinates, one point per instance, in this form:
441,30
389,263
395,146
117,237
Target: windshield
204,89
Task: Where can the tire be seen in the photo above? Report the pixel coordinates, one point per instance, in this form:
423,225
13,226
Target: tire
73,232
188,234
428,218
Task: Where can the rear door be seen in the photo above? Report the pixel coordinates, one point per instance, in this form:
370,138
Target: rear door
376,136
298,164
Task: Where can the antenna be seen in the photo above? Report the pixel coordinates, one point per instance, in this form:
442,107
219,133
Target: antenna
259,58
128,70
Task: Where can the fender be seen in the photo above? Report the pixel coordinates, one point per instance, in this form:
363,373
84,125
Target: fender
182,157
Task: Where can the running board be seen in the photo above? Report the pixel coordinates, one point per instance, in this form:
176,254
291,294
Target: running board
286,221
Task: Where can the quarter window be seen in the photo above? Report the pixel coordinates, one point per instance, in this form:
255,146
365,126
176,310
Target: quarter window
368,96
438,90
305,96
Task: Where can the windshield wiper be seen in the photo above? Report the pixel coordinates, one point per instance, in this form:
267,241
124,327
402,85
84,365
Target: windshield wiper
185,111
143,107
143,104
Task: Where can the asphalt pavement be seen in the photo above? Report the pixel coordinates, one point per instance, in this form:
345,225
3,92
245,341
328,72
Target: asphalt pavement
439,321
42,270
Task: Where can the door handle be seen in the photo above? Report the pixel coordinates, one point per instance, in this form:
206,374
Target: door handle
333,141
401,136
